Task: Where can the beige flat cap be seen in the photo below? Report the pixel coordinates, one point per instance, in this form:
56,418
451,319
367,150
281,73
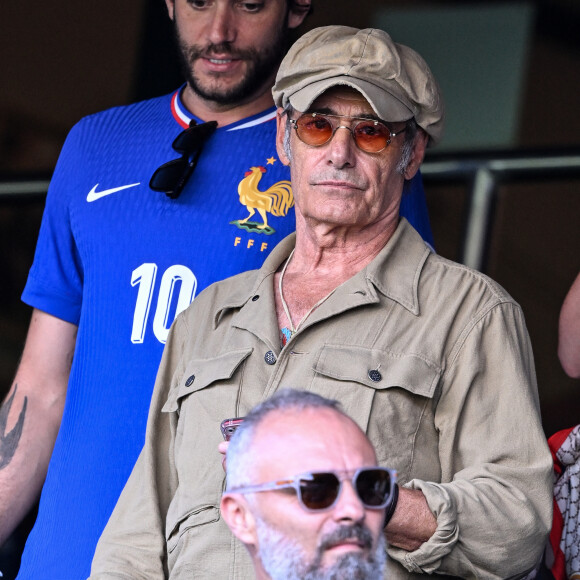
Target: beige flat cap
393,78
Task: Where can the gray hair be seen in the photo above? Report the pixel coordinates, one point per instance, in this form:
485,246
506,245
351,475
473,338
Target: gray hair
411,129
240,455
287,131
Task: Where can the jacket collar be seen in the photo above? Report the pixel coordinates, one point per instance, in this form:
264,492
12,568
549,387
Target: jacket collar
395,272
263,284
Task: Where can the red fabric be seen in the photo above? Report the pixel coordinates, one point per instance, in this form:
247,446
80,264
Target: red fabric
558,568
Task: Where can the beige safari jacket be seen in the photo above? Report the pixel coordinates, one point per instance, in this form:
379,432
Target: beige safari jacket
432,360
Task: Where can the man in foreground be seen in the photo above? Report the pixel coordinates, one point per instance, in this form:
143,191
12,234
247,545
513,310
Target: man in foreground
305,495
430,358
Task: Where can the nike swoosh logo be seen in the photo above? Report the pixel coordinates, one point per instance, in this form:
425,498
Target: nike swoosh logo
93,195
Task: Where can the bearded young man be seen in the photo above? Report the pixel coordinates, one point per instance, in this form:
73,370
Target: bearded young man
115,261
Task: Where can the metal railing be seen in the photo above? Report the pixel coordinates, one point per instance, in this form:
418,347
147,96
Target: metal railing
480,172
483,173
23,185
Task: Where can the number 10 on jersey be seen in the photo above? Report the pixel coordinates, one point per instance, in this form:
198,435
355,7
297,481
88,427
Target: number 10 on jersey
176,292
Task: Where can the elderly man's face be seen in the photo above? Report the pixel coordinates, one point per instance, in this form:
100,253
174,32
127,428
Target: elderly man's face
345,541
339,184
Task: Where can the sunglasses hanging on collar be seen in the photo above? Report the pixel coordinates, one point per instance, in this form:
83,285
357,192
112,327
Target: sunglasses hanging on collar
172,176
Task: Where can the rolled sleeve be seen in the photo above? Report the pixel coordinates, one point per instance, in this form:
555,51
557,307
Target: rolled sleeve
427,558
493,505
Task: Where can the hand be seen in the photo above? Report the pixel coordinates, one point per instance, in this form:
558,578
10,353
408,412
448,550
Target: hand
222,448
412,522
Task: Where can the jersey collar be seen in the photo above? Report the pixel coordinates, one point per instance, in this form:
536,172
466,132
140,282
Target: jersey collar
183,116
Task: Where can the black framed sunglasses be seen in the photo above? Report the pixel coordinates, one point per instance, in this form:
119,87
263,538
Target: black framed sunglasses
321,490
370,135
172,176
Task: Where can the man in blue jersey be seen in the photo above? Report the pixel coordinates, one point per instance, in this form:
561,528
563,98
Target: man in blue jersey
116,261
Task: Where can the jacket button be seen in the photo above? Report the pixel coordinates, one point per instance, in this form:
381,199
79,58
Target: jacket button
375,376
256,297
189,381
270,358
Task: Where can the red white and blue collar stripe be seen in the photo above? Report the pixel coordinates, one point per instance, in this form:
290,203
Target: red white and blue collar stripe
183,117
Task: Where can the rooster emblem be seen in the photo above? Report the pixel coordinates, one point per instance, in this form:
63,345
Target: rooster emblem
276,200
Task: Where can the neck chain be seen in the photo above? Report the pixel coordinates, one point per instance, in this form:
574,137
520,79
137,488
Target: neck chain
289,332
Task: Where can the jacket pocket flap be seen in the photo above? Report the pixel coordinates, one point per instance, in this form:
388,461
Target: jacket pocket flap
196,517
200,373
379,369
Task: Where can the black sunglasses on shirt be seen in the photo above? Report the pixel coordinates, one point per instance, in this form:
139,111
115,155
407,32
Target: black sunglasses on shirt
172,176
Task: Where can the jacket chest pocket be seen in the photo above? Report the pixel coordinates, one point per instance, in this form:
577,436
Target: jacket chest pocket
390,395
205,394
209,385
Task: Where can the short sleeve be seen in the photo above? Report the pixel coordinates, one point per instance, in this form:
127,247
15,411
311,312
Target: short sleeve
55,279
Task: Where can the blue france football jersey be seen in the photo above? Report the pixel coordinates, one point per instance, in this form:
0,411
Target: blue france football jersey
120,261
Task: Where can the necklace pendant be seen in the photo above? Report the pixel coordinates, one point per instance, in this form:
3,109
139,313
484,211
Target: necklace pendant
286,335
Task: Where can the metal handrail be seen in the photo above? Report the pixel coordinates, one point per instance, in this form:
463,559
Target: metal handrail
23,185
480,171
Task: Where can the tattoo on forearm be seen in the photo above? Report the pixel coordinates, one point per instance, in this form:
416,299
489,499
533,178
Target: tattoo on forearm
9,441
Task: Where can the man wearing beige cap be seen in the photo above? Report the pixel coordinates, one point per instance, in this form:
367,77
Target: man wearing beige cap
430,358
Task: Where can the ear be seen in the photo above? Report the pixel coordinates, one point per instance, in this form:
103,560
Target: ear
298,11
417,154
237,515
280,132
170,8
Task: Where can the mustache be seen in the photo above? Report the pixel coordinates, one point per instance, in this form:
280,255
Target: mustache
221,49
355,532
349,177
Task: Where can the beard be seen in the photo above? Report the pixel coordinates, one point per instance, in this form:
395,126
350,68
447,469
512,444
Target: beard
284,559
261,65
